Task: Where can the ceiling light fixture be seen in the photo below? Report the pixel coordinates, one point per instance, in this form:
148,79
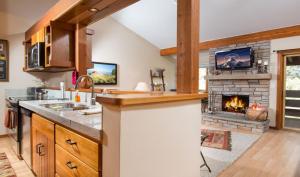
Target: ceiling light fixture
93,10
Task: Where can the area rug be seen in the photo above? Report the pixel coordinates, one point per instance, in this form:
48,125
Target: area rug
219,139
5,168
219,159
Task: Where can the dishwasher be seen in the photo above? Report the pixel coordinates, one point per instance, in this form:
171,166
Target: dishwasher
26,136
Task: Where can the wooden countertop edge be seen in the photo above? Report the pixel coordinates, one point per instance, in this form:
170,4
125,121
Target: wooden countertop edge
150,99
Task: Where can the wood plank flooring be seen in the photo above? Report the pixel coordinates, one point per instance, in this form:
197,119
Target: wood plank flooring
21,169
276,154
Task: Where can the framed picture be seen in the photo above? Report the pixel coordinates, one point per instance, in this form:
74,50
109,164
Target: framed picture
4,61
104,73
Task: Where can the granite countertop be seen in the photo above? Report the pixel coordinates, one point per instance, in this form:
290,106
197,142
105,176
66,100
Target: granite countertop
87,125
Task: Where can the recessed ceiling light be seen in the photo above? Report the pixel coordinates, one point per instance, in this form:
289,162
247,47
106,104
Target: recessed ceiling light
93,10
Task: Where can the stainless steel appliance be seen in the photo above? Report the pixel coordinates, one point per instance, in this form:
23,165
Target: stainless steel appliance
26,138
13,130
20,124
36,56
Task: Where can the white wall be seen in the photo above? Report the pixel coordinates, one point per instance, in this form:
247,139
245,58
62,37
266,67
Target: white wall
278,44
114,43
17,78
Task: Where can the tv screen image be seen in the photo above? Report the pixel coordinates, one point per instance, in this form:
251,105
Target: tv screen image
104,73
234,59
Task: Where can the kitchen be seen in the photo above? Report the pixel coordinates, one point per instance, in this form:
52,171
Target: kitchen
59,79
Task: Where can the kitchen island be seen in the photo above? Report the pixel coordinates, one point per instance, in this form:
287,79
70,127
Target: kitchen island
151,135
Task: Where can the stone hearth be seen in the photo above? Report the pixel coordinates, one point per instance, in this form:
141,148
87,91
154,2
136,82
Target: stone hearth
234,122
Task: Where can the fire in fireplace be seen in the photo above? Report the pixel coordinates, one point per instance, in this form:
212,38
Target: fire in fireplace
235,103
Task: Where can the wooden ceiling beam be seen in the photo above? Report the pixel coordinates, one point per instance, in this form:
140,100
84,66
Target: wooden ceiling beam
253,37
52,14
78,12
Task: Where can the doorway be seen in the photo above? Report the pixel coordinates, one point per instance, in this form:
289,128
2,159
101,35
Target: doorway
292,92
288,89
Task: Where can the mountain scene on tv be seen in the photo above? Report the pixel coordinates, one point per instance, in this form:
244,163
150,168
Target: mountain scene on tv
234,59
103,74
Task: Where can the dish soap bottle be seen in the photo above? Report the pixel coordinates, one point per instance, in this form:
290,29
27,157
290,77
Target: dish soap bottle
77,97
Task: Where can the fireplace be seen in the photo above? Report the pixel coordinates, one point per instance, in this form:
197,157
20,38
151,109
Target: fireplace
235,103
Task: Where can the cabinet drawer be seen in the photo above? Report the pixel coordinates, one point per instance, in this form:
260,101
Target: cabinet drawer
69,166
79,146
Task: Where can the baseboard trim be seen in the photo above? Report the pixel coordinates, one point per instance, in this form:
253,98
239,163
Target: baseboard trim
3,136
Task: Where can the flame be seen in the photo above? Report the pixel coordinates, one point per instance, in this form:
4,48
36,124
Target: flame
235,103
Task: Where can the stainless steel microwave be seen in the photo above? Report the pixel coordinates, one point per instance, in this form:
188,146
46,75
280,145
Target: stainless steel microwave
36,56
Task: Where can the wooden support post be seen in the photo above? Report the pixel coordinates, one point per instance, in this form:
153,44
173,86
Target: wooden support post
187,43
83,59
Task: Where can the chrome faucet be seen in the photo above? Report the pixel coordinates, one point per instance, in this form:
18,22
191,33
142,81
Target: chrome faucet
93,99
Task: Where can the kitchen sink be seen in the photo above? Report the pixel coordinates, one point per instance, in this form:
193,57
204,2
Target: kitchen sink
65,106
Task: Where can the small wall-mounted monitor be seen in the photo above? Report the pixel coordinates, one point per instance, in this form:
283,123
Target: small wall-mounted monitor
104,73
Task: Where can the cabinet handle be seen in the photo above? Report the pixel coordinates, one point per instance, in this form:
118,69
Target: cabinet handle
41,152
70,142
37,148
70,165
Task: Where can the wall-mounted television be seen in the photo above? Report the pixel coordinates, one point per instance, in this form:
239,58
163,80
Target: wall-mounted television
104,73
235,59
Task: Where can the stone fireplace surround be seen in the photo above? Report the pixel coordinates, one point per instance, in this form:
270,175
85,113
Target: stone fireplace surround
257,88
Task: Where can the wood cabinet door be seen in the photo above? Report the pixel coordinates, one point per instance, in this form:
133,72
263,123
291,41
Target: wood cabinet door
42,146
62,45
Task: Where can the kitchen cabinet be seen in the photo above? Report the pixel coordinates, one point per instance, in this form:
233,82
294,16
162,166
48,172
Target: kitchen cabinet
42,133
60,152
59,45
76,155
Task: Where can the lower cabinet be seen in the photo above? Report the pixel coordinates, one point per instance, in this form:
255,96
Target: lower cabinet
60,152
43,162
69,166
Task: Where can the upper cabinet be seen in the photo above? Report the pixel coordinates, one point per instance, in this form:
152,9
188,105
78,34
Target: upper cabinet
60,45
59,41
52,48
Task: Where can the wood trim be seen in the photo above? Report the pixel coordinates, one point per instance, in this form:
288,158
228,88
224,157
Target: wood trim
280,84
252,37
150,98
3,136
188,16
57,10
279,105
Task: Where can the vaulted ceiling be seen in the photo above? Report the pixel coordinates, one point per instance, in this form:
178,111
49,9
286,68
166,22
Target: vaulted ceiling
16,16
155,20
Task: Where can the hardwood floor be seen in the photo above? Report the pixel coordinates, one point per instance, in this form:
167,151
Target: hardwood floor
19,166
276,154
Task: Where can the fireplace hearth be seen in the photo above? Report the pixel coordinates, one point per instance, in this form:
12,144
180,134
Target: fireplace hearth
235,103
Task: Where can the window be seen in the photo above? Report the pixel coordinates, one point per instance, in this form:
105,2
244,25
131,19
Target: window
202,79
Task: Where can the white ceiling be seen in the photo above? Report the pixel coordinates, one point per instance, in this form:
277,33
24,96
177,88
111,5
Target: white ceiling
155,20
16,16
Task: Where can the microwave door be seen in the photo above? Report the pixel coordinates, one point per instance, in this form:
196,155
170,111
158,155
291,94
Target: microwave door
34,56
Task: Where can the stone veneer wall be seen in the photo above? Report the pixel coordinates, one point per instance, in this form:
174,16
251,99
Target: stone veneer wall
258,90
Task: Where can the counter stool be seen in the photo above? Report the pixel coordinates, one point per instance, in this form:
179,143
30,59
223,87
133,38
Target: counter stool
203,138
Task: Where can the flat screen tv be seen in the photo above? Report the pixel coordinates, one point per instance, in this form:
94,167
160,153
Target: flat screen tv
104,73
234,59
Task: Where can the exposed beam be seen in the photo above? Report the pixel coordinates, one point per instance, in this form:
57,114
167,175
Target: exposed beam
52,14
79,12
187,44
253,37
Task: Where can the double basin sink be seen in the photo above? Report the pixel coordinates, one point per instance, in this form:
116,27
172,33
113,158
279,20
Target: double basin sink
65,106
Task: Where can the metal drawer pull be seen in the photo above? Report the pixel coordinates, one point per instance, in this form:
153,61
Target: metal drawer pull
70,165
70,142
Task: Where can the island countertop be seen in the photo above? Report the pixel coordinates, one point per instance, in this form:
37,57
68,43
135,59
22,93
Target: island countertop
148,98
87,125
